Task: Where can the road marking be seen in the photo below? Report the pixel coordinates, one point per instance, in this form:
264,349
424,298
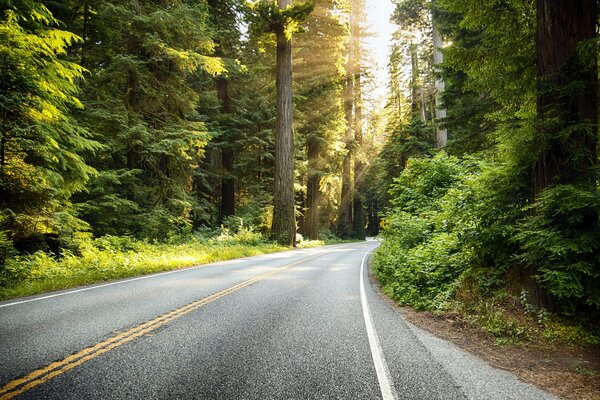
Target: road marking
39,376
383,374
123,281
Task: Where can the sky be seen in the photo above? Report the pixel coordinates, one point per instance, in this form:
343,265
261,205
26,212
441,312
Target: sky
378,15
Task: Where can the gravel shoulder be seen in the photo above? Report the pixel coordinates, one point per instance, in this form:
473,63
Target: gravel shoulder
568,372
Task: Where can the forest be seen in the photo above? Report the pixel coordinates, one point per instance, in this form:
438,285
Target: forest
139,130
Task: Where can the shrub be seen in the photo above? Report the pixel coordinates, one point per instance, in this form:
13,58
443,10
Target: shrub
560,239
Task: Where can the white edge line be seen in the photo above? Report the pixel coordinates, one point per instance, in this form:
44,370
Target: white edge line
383,375
148,276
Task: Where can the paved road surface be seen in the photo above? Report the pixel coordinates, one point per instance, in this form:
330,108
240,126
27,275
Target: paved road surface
301,324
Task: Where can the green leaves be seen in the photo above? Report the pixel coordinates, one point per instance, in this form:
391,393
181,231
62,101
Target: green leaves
267,17
562,239
42,145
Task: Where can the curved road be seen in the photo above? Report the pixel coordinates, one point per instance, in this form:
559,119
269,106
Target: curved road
302,324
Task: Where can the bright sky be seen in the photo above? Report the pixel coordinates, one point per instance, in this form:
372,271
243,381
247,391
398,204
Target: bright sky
378,14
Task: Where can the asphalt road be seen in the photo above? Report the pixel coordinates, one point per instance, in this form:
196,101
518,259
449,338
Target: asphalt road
302,324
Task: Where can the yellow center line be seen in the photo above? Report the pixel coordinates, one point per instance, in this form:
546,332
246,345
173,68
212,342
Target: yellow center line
39,376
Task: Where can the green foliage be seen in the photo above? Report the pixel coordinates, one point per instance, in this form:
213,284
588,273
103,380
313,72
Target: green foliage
267,17
561,238
41,145
149,66
455,221
422,257
110,257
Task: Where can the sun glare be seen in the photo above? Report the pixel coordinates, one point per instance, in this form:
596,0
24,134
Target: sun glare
377,43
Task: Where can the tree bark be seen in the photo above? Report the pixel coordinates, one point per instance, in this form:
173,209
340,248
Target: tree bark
227,156
283,229
414,73
567,133
358,214
313,191
441,134
345,216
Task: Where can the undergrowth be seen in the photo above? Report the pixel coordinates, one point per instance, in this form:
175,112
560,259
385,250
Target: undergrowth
111,257
461,235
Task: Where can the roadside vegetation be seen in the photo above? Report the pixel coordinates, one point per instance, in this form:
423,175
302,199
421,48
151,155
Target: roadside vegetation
454,242
90,260
500,225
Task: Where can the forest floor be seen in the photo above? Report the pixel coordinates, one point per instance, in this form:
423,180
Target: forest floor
567,371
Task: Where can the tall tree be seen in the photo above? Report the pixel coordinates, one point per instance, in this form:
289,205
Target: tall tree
283,228
224,16
151,63
41,144
358,212
318,76
567,93
440,110
345,214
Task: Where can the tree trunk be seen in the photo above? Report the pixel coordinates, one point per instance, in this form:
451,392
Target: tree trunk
345,217
227,156
414,73
283,229
313,191
567,106
440,113
373,220
358,214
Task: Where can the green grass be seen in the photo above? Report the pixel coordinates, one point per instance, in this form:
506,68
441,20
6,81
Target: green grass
108,258
113,258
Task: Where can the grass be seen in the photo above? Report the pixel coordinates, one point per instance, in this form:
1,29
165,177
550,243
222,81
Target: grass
511,320
109,258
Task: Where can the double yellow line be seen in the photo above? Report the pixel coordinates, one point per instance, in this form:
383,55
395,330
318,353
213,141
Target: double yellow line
39,376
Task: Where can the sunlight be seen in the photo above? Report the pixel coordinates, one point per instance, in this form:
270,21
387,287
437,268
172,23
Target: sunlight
377,43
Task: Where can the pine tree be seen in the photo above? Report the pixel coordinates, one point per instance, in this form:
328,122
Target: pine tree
41,145
149,64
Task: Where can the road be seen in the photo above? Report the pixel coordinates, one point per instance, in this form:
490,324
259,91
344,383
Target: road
302,324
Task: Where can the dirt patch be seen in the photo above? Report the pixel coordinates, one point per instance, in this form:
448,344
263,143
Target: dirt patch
568,372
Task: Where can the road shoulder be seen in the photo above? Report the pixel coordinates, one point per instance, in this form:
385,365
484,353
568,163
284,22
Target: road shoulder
560,372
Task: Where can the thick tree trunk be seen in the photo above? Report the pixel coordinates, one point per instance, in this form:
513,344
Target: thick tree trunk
283,229
567,104
440,113
345,216
313,191
358,214
227,156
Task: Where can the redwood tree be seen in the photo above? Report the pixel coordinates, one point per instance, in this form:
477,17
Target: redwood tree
567,107
283,228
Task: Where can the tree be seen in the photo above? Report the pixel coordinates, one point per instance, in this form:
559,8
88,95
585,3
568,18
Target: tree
224,18
151,64
318,76
358,212
567,94
41,145
284,219
440,111
345,219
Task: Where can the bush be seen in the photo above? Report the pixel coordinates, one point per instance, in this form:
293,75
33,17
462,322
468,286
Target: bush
423,255
459,226
561,240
